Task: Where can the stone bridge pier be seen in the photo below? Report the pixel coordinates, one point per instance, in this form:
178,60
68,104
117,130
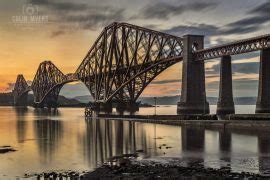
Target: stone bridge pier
101,106
193,96
263,99
225,104
131,106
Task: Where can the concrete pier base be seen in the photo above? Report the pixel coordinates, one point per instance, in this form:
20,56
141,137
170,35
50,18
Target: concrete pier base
193,96
263,100
225,104
127,106
104,107
193,108
38,105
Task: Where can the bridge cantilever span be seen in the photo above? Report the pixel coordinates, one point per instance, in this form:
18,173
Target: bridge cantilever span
121,52
20,91
47,84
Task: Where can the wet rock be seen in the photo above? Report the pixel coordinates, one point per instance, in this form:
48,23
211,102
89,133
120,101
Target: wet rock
6,149
165,171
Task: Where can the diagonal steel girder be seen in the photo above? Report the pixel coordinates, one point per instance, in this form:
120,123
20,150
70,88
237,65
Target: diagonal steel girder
20,89
47,83
121,55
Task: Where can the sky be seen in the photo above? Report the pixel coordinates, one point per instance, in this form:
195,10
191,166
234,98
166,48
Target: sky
64,31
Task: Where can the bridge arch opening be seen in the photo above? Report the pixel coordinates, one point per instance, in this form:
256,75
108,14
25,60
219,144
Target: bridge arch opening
245,76
166,88
74,94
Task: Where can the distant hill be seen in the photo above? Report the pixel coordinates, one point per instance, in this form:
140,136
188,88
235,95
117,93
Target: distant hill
172,100
62,101
7,99
84,99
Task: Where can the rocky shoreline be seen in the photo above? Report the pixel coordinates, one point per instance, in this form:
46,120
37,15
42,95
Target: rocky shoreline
161,171
129,168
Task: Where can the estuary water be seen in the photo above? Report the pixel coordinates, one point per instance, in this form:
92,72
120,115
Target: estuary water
64,140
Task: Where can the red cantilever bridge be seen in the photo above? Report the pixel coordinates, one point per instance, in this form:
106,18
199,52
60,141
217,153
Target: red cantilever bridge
125,58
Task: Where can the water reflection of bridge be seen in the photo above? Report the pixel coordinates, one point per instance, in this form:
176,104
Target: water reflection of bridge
21,123
103,139
49,134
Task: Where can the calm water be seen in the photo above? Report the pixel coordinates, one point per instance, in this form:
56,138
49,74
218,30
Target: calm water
66,141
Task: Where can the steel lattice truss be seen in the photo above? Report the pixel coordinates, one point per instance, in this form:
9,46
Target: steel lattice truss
238,47
21,87
125,59
47,83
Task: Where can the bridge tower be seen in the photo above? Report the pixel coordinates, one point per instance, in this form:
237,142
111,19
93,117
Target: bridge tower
20,91
47,84
225,103
263,100
193,96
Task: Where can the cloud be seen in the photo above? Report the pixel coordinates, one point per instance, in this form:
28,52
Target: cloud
259,16
61,6
164,10
257,20
200,29
262,9
38,2
209,30
72,16
97,17
68,6
10,87
160,89
244,68
245,25
253,22
197,29
241,87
